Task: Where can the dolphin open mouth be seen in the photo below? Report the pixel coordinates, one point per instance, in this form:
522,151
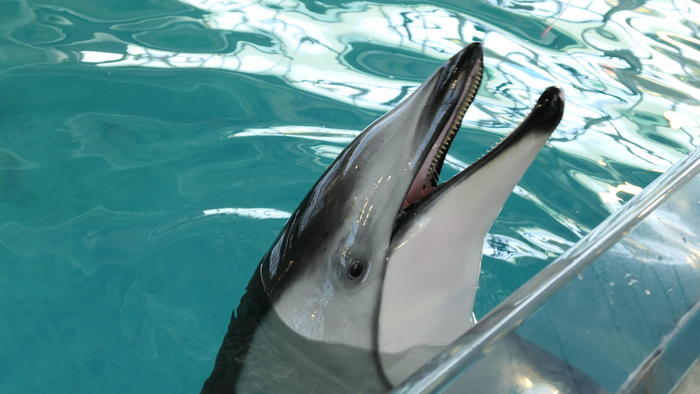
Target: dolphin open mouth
460,80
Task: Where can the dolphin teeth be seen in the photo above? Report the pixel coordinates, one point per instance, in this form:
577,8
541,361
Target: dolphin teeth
460,113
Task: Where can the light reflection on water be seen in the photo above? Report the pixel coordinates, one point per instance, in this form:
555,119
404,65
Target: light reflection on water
149,153
617,81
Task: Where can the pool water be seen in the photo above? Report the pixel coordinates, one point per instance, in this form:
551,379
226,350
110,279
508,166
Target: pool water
150,152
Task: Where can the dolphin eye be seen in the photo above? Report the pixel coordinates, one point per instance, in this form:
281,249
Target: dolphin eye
355,269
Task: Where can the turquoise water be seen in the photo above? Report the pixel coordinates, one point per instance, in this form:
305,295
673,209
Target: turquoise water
150,151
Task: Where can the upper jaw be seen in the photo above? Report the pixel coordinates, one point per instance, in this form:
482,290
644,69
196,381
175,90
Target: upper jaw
454,90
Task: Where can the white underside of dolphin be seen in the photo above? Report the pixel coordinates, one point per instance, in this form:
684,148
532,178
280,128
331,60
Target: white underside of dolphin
433,270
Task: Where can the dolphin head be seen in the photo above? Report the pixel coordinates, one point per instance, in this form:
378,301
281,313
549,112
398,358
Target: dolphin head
328,276
323,274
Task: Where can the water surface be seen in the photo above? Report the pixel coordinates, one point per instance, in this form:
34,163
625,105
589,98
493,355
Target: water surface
150,151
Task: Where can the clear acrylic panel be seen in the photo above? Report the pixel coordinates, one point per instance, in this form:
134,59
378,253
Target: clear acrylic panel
619,312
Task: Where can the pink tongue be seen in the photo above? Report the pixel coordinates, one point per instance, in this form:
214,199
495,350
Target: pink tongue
420,187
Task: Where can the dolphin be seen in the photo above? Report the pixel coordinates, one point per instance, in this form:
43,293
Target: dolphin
376,271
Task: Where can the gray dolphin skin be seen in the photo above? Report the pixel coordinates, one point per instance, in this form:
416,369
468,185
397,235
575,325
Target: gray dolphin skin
377,268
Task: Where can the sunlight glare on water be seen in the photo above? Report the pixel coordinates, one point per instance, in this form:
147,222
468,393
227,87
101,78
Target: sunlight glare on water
151,151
